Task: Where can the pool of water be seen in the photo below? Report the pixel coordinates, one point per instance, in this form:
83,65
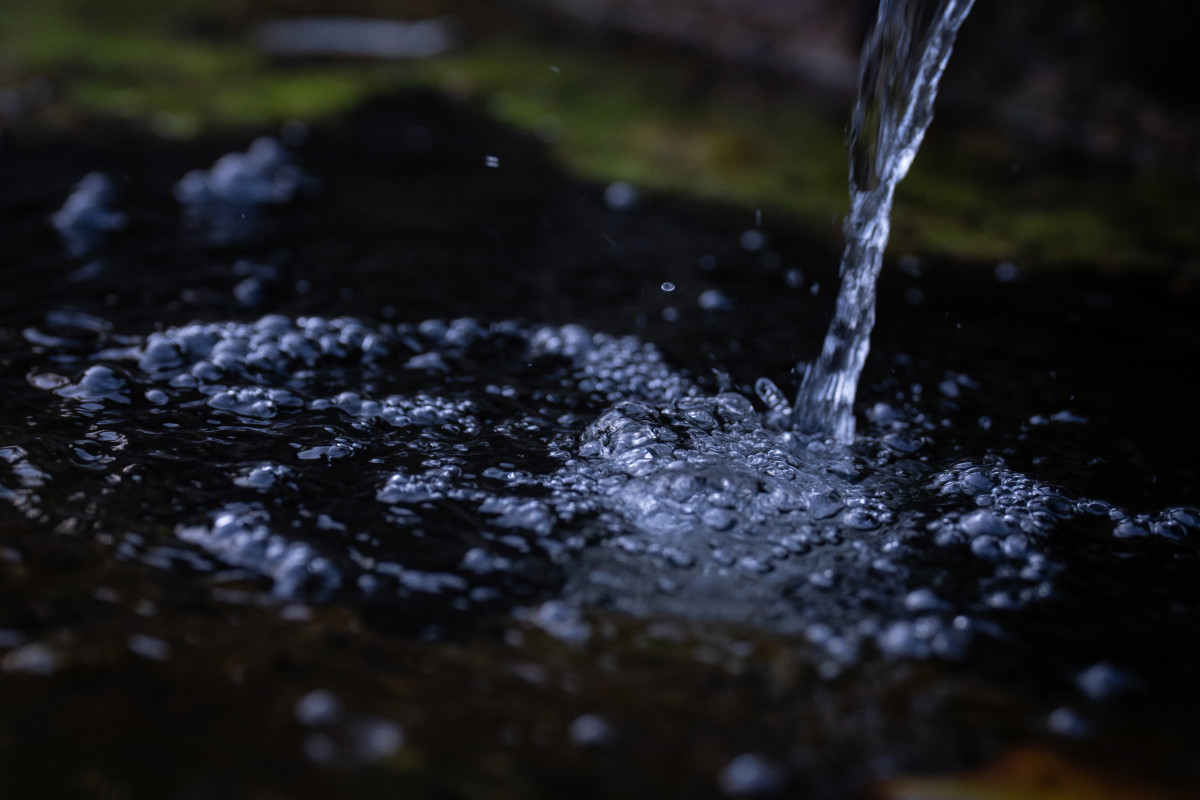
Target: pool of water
317,457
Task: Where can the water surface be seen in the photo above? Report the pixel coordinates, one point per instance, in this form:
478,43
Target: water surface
436,439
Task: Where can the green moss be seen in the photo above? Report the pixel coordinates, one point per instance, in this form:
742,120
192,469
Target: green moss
609,119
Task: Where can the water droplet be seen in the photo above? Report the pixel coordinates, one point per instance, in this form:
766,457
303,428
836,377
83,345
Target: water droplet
31,659
1103,682
751,775
1006,272
149,647
753,240
621,196
591,730
714,300
1069,723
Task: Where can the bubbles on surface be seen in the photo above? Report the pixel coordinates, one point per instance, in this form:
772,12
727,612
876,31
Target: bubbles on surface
753,240
372,740
751,775
715,300
35,658
240,535
591,730
621,196
97,384
1007,272
263,174
1069,723
1103,682
458,465
562,621
87,215
341,739
222,202
318,708
149,647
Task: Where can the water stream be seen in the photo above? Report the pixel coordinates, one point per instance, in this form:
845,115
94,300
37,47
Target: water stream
902,63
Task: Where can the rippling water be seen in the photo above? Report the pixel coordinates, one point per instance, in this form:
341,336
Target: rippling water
481,464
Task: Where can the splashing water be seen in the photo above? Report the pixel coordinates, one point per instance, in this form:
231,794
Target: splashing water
902,62
343,458
443,469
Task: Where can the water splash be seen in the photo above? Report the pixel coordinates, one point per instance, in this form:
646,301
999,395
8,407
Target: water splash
902,62
444,468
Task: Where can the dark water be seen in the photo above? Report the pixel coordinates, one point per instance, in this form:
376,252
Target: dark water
389,469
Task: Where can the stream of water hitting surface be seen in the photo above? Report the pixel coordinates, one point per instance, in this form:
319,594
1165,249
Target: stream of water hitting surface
442,468
902,63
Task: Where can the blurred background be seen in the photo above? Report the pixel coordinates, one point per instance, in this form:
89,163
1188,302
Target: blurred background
1067,132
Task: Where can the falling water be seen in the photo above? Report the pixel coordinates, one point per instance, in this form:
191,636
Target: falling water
902,61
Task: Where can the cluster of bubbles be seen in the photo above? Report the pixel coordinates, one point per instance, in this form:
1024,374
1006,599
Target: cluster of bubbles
222,202
88,215
455,461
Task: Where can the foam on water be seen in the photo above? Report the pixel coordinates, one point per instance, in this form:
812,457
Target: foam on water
469,464
222,203
88,215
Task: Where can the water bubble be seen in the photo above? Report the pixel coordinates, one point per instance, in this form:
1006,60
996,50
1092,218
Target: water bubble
753,240
31,659
924,599
250,293
591,730
318,709
221,201
1069,723
823,504
751,775
1006,272
148,647
714,300
1103,682
98,383
981,522
621,196
10,639
87,215
373,739
240,536
563,622
1129,529
987,547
